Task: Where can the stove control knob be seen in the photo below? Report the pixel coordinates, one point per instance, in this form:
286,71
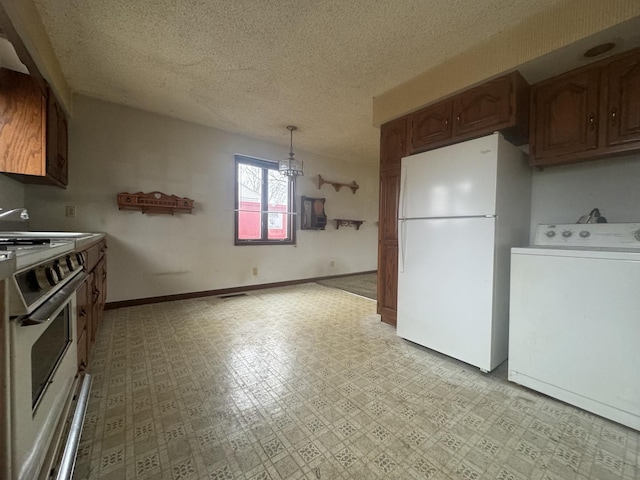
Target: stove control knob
636,235
567,233
550,233
32,281
61,269
585,234
72,262
41,276
52,276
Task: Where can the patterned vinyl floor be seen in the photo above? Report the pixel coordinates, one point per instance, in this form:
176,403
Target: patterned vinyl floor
305,382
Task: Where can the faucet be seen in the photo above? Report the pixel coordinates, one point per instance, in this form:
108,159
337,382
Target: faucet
24,215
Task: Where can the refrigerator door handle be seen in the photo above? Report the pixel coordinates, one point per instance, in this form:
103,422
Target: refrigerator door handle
402,242
403,190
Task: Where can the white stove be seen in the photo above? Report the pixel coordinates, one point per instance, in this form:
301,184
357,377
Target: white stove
29,252
573,327
42,267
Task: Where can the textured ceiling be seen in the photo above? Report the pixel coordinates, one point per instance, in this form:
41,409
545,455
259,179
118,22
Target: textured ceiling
255,66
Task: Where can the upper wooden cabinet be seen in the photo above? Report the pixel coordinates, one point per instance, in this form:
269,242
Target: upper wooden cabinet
431,126
623,101
33,132
22,124
588,113
565,112
57,141
501,104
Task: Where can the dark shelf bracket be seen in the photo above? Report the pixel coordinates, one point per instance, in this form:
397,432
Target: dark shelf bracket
353,185
342,222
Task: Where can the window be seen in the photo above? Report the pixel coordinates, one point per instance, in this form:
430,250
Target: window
263,204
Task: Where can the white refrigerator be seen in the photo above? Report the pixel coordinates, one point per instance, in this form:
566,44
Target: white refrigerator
461,209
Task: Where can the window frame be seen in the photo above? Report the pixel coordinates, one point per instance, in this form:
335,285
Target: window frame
264,204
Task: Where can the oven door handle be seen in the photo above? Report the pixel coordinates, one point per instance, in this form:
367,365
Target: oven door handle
48,309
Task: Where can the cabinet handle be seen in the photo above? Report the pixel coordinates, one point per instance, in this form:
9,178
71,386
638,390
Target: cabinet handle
96,294
83,312
446,122
458,119
592,121
614,117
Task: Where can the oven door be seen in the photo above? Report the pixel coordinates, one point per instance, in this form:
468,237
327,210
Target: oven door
43,370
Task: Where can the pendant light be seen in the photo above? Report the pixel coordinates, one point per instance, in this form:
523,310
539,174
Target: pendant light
291,167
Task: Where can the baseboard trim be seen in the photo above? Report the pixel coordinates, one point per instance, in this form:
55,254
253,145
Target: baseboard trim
221,291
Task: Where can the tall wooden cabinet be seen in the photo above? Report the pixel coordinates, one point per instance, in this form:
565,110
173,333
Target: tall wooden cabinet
393,146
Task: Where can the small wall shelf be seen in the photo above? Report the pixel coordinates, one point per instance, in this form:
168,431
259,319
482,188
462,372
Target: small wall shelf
154,202
353,185
342,222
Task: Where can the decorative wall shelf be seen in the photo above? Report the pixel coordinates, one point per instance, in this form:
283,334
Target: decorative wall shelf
353,185
342,222
154,202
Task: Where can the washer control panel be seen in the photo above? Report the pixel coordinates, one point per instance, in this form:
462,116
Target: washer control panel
599,235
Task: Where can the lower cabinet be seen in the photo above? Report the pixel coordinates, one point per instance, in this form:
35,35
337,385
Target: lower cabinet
82,317
90,299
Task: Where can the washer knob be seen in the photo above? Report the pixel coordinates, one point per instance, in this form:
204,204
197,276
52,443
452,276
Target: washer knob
587,234
567,233
550,233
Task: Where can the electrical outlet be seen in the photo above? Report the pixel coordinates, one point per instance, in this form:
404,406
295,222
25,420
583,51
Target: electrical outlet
255,270
332,263
70,211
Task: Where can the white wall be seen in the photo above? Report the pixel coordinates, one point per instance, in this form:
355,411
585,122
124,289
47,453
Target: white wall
11,193
564,194
119,149
11,196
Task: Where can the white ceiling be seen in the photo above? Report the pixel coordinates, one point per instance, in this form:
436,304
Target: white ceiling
255,66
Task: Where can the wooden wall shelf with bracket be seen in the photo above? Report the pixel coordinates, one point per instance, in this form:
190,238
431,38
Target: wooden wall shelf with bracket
353,185
154,202
342,222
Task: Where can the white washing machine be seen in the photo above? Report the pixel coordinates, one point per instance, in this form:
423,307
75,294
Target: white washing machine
574,325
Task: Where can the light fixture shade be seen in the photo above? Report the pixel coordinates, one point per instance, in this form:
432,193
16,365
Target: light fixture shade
290,166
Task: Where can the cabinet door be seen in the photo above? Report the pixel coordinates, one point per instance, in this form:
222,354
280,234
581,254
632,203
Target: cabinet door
393,143
484,108
57,167
91,317
389,194
430,126
388,282
393,146
565,116
22,125
82,322
623,115
99,291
